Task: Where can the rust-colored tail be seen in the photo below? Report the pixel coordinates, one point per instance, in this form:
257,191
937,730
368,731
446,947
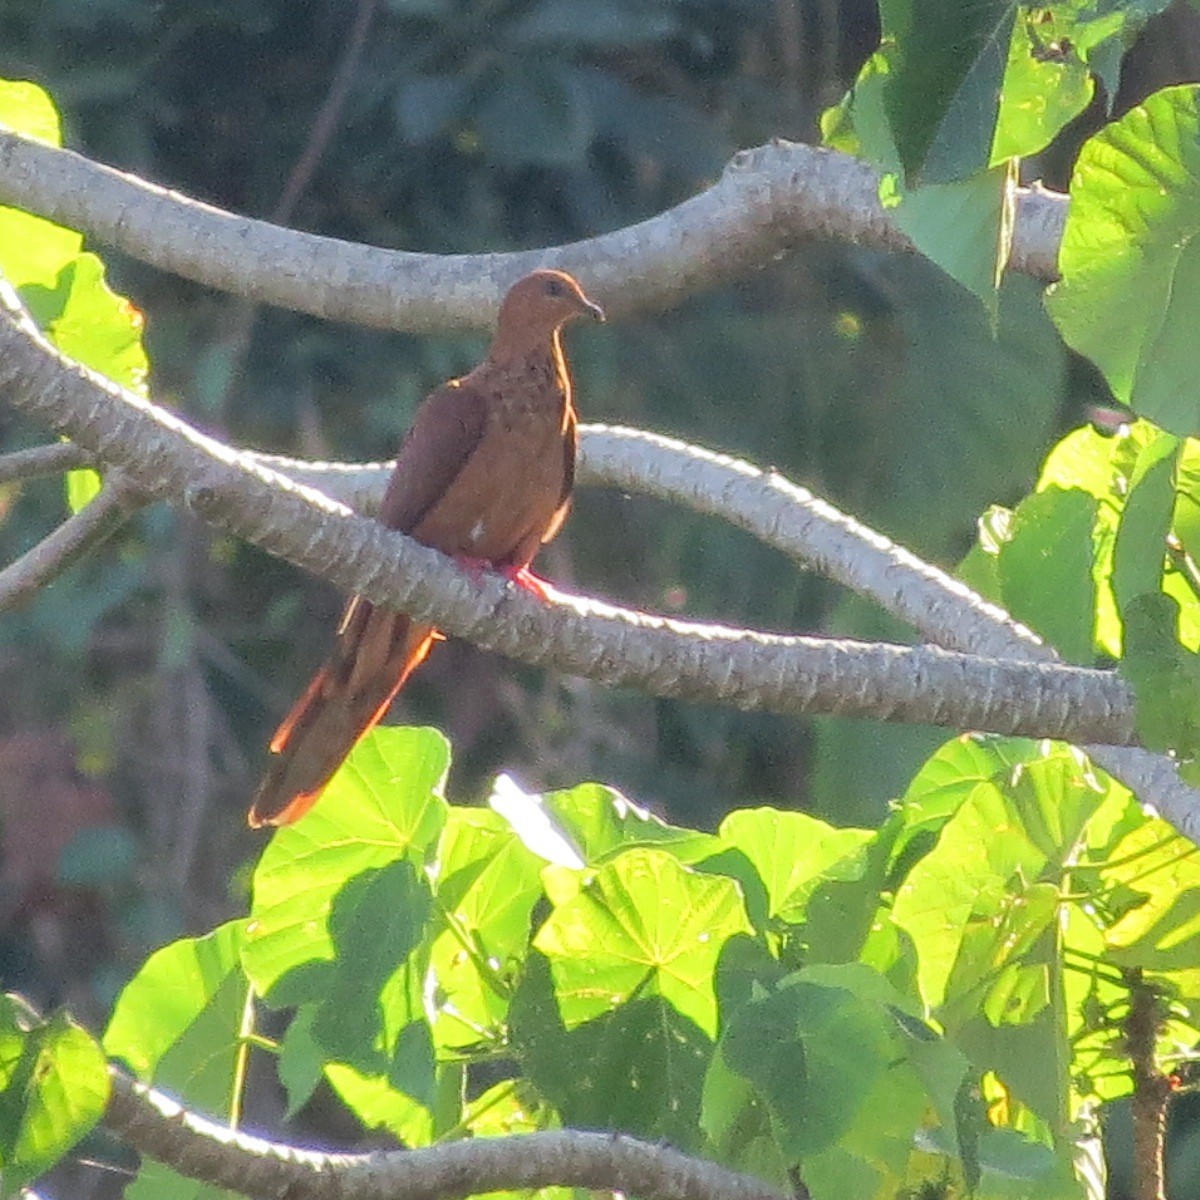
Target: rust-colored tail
375,653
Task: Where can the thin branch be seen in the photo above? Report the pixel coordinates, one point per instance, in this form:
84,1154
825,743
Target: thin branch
766,201
76,537
39,461
244,315
326,121
201,1149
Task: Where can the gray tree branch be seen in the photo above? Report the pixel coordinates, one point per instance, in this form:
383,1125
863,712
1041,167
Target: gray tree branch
766,201
164,458
76,537
201,1149
39,461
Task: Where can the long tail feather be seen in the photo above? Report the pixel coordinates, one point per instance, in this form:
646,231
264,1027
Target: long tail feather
375,653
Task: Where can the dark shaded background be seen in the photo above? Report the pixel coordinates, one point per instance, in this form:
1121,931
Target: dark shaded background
137,695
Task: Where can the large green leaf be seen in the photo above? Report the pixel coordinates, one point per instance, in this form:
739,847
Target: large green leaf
32,249
1146,520
794,854
949,780
53,1088
1110,468
642,925
589,823
943,101
1141,914
178,1022
95,326
1017,827
413,1098
1158,923
638,1067
975,402
970,85
784,1042
1129,298
1165,676
965,228
738,1125
965,225
389,1078
91,323
384,805
984,910
1045,569
377,920
340,925
64,289
1046,80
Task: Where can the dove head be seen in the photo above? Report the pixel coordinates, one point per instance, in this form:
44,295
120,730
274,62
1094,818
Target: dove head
539,305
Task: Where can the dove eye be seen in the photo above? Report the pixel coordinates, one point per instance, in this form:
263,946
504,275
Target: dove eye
553,287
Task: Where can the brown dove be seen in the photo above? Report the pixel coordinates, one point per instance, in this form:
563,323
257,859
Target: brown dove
484,474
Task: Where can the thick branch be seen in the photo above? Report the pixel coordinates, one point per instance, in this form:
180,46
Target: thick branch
811,530
167,459
76,537
159,1128
764,503
766,201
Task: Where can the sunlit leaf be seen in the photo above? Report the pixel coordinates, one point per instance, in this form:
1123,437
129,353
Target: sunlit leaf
1016,827
1129,298
487,885
794,853
1146,521
178,1021
384,805
589,823
644,924
53,1088
32,249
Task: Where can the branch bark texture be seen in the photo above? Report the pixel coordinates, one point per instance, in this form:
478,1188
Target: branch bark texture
159,1128
766,201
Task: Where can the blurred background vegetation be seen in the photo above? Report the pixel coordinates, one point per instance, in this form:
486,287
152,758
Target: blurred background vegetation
137,694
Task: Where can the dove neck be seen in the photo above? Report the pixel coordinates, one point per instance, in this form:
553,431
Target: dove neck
519,350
